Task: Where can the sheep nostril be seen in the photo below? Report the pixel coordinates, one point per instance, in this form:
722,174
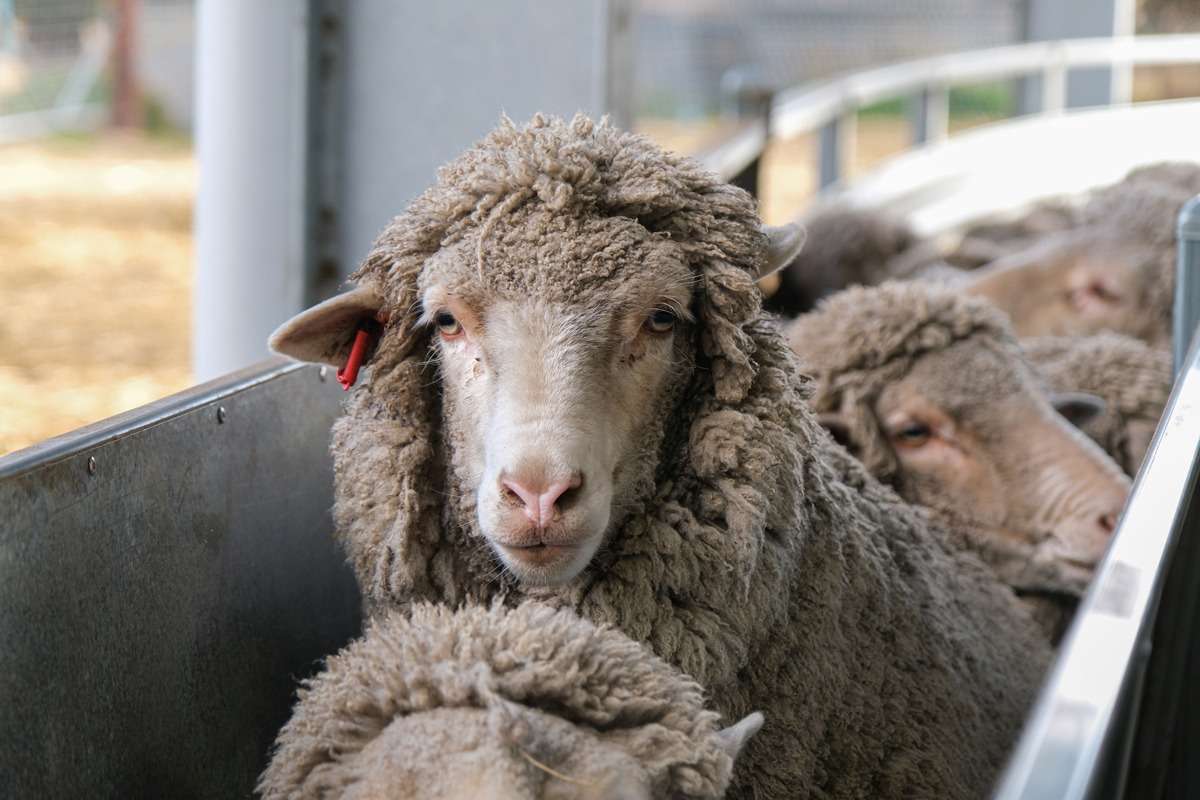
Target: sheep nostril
509,496
570,494
1108,522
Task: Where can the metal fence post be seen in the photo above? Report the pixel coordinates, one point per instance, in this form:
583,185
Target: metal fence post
835,143
1187,279
1054,87
929,115
747,97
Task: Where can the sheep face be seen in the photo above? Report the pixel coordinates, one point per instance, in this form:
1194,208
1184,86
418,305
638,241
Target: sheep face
1077,284
974,437
555,388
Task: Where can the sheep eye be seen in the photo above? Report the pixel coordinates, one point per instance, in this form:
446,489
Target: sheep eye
914,434
446,323
661,320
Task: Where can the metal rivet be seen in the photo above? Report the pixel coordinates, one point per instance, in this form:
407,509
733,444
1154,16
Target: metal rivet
220,415
91,465
323,374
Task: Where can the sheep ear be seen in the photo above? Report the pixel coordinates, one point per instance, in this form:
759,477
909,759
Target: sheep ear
324,333
783,245
839,429
1078,407
734,738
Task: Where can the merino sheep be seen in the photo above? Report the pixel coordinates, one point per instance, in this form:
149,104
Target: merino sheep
987,240
929,390
612,424
527,702
845,246
1132,378
1114,272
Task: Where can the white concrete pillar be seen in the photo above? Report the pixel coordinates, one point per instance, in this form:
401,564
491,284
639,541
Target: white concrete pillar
251,149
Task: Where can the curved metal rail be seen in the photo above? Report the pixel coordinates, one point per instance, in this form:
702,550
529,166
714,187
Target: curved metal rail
829,107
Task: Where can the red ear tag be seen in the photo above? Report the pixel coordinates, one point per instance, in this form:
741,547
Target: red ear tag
364,339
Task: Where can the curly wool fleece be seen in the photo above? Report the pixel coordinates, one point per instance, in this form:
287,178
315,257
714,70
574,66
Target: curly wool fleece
758,556
1133,378
426,701
864,339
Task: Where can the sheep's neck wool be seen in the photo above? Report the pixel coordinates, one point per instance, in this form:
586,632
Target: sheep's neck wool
756,555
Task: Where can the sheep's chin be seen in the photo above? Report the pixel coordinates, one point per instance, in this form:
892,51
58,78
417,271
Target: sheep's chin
561,566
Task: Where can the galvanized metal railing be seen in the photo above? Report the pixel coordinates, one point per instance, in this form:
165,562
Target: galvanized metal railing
829,108
1187,279
1116,719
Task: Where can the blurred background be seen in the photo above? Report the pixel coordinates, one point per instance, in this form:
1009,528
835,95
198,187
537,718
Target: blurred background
102,118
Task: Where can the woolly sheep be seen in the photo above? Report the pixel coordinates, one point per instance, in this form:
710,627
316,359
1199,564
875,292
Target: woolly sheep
506,703
1115,271
849,246
929,390
614,426
1132,378
996,236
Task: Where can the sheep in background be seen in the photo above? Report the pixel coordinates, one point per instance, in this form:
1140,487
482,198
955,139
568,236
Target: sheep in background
611,424
845,247
1132,378
999,235
1060,246
1114,272
527,702
929,390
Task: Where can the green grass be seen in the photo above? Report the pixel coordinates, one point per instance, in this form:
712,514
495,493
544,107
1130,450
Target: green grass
985,99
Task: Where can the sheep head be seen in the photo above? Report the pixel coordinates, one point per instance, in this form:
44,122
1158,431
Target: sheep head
930,391
1114,272
1078,283
524,702
567,280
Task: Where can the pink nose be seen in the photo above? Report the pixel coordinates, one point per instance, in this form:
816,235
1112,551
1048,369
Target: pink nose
540,498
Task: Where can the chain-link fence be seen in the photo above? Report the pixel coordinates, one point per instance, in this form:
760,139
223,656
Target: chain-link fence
54,57
75,64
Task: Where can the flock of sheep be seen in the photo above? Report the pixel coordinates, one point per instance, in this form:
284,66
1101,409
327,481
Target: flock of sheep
622,533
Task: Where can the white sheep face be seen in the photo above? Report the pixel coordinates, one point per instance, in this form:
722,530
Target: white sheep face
554,403
564,343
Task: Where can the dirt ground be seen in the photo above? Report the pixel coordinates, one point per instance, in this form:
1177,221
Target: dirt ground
95,280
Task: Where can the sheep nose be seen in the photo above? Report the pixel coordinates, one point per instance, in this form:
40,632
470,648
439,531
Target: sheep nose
540,498
1108,522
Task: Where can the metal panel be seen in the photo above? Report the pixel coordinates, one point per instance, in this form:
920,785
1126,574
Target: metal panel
422,81
165,578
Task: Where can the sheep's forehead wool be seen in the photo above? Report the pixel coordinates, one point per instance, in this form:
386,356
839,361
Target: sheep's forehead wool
563,258
863,329
967,378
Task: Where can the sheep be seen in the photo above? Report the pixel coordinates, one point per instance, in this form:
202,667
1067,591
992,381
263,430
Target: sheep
500,702
1132,378
577,398
994,237
844,246
1115,271
929,390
